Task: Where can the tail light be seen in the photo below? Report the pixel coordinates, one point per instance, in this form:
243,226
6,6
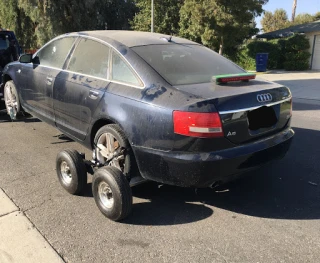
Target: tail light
197,124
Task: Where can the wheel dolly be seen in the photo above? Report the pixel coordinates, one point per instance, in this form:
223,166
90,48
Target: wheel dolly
110,186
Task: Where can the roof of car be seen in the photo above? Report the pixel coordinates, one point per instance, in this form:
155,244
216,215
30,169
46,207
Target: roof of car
135,38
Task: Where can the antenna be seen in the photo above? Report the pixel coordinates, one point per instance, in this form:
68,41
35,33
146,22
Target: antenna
168,38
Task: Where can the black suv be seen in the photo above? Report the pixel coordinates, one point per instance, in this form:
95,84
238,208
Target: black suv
9,49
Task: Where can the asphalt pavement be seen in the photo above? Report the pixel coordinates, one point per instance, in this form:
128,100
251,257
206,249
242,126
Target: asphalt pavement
272,215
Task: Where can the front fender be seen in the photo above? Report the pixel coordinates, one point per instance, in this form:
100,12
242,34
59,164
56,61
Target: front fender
8,73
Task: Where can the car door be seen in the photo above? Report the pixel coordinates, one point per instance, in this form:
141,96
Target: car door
79,88
36,92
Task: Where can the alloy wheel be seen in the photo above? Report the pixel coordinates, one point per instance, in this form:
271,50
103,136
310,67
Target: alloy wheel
107,149
11,101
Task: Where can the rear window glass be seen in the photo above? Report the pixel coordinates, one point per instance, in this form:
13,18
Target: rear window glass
122,72
4,41
186,64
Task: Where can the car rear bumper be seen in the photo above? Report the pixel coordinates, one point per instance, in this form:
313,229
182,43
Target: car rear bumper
204,169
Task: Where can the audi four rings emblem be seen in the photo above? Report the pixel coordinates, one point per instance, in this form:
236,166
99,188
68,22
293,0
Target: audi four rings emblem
264,97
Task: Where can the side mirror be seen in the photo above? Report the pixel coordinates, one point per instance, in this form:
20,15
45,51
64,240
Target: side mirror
36,60
26,58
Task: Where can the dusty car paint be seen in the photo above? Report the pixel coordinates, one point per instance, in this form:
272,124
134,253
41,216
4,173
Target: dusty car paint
79,104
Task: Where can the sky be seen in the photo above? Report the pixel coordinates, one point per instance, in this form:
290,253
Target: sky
303,6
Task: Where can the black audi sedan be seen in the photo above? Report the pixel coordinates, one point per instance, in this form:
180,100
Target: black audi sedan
151,106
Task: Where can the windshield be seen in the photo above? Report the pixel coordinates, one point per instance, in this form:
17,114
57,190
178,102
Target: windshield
186,64
4,41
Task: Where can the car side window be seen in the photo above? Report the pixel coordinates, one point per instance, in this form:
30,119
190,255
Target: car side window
4,42
91,58
122,72
55,53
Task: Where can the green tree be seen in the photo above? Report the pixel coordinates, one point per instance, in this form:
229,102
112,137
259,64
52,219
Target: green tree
14,18
303,18
296,53
316,16
166,16
274,21
52,18
75,15
219,24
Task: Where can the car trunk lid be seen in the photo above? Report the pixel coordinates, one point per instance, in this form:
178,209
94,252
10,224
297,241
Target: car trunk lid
248,110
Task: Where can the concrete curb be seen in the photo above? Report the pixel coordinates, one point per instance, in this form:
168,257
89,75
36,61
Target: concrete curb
20,241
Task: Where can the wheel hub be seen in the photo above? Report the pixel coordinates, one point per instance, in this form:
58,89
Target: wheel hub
106,151
11,102
106,195
66,172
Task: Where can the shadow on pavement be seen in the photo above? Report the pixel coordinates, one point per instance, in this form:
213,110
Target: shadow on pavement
303,104
88,191
63,139
169,206
4,117
286,189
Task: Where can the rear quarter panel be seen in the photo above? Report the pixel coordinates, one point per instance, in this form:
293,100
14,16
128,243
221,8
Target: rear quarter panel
145,115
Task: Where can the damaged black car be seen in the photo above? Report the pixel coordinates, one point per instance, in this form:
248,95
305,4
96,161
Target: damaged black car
151,107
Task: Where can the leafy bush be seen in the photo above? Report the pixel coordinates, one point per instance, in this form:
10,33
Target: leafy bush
281,44
244,60
272,49
297,60
296,56
297,43
289,53
247,54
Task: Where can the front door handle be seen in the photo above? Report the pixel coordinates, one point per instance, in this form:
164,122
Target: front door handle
93,94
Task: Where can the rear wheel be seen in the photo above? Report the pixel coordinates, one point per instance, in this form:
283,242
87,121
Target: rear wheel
112,193
113,149
12,101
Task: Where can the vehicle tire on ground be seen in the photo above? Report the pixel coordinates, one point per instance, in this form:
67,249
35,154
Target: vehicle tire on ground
12,101
112,135
71,171
112,193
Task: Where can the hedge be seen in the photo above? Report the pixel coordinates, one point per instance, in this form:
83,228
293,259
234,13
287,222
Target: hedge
289,53
296,56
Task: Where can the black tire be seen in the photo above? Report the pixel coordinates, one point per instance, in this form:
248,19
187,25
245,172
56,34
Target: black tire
71,171
10,92
112,178
128,168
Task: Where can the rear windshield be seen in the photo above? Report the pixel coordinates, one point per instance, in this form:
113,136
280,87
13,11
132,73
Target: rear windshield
186,64
4,41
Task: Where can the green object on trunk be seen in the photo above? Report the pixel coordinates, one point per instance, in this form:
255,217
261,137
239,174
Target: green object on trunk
233,77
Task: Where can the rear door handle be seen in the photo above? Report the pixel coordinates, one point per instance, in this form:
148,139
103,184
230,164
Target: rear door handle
93,94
